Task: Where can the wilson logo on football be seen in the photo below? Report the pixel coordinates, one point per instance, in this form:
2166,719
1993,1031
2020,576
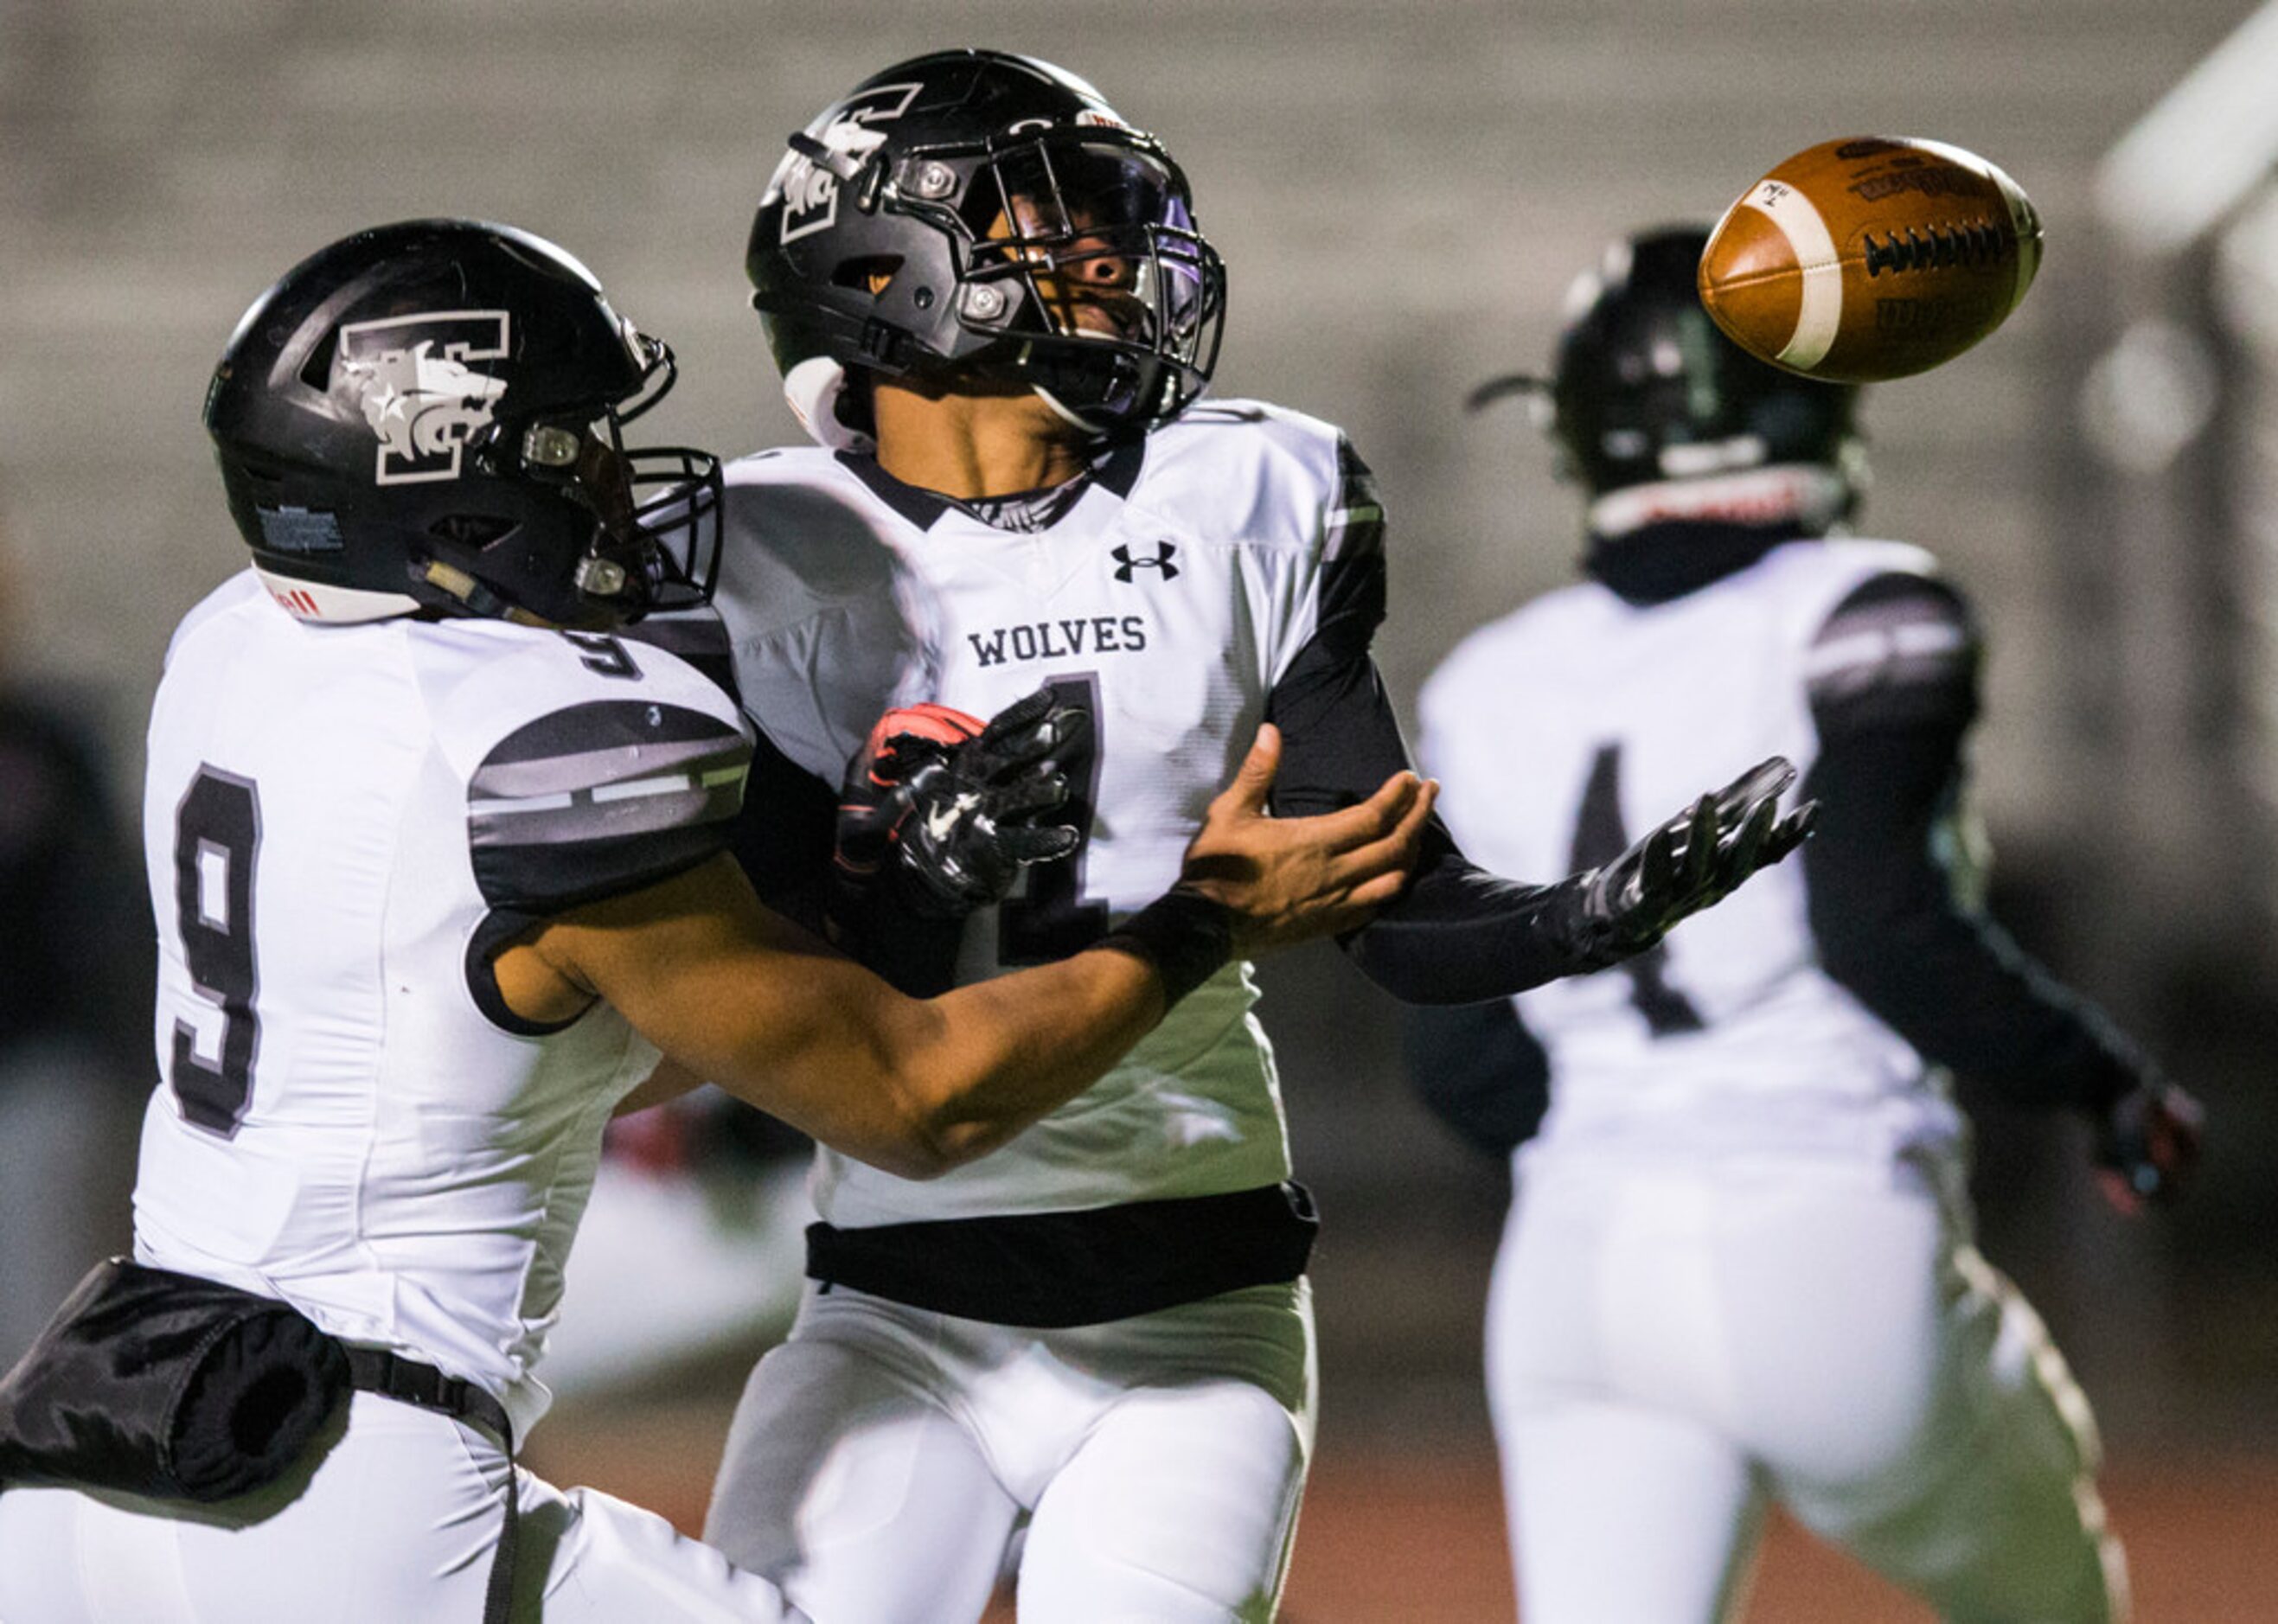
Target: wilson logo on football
808,189
419,392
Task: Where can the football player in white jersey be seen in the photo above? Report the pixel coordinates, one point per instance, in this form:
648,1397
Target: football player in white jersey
439,861
994,311
1738,1264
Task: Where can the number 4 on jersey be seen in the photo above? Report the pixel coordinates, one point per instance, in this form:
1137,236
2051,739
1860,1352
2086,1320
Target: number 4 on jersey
1600,837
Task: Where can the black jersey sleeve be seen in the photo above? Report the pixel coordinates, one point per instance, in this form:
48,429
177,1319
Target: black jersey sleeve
1457,935
1893,691
1478,1070
782,835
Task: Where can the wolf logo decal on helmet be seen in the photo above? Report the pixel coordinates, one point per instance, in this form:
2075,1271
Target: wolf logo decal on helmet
418,393
809,191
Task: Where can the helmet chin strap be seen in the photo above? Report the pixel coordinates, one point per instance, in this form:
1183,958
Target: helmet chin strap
813,386
1072,419
479,599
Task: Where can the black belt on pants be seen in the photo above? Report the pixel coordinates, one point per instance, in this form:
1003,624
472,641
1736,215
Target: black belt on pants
1060,1268
372,1369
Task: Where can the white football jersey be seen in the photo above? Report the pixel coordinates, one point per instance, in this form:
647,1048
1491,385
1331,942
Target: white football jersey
341,822
1168,599
1568,730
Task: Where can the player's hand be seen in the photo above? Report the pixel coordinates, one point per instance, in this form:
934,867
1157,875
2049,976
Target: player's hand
947,810
1288,880
2147,1145
1692,862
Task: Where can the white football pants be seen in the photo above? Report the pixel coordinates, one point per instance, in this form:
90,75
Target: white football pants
394,1523
881,1458
1671,1344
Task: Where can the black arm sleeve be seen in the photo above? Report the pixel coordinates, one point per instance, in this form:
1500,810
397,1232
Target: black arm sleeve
1478,1070
781,837
1883,905
1457,935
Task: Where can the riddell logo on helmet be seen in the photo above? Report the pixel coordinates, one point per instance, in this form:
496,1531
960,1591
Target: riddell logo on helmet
808,191
418,391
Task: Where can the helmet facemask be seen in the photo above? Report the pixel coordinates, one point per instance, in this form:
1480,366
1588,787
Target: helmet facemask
1079,257
654,511
613,534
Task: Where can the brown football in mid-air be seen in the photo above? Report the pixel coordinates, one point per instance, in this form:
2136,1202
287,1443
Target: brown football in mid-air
1871,257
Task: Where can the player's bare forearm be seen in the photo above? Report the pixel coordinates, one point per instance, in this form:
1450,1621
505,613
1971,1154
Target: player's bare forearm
991,1058
914,1086
918,1087
767,1011
771,1014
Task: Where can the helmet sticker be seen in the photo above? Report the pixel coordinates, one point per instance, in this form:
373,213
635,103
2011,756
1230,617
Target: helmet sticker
422,397
809,191
299,530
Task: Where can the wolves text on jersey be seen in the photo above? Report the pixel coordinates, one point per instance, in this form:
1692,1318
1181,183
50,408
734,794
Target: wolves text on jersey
1094,633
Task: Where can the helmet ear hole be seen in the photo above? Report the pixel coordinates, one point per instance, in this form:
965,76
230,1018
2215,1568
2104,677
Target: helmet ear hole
317,370
868,273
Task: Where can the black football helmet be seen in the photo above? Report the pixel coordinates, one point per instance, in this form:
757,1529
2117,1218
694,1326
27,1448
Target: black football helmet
1647,388
979,214
428,416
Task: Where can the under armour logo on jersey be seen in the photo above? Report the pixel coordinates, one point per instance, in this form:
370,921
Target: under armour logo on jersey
1124,563
422,399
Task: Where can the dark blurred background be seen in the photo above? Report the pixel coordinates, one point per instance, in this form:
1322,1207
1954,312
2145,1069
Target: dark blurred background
1401,189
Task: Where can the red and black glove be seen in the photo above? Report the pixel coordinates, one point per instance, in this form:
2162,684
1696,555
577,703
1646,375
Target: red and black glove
2147,1144
940,812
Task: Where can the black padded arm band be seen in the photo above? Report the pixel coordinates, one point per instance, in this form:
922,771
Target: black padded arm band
1187,936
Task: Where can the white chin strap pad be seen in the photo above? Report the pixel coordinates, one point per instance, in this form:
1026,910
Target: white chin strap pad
812,388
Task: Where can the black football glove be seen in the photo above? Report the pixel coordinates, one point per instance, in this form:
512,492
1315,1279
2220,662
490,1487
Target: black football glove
2147,1143
939,813
1691,862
